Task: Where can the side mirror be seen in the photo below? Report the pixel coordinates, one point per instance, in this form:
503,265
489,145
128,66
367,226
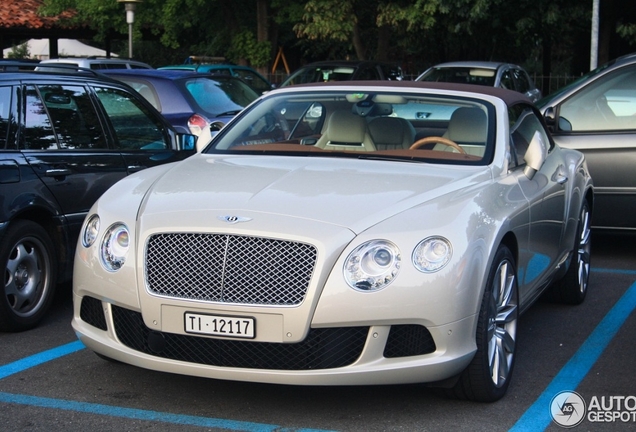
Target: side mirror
535,155
186,141
550,117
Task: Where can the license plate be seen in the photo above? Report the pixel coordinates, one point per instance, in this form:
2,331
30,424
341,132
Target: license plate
219,325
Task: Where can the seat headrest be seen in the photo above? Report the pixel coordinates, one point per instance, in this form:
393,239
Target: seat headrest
391,131
468,125
345,127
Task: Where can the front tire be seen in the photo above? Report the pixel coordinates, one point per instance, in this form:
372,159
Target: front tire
29,269
487,377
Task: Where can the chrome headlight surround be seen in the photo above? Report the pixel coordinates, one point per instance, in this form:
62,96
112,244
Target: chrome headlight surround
432,254
90,231
372,266
114,247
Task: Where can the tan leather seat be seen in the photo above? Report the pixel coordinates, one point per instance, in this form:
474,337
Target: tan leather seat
467,127
389,133
346,131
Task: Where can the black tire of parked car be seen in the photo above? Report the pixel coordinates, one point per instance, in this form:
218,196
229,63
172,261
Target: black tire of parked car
497,324
29,272
572,288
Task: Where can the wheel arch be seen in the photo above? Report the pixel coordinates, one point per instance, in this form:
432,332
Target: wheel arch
57,232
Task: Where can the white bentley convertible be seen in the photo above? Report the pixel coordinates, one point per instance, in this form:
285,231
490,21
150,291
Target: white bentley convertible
342,234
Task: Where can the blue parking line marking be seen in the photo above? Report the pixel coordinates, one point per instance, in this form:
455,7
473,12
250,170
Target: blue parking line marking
615,271
38,359
538,416
138,414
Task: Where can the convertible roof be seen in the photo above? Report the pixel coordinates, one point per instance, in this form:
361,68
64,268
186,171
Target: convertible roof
510,97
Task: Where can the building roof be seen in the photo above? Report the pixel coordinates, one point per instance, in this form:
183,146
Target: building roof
24,14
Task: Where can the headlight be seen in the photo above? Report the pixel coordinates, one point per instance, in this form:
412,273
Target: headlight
115,247
372,265
91,229
432,254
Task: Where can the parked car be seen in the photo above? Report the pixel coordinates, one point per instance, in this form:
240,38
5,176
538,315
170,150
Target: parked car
316,241
597,115
344,70
258,82
97,63
65,137
493,74
192,102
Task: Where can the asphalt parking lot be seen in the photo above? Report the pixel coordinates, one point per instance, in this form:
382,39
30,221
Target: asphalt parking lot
49,381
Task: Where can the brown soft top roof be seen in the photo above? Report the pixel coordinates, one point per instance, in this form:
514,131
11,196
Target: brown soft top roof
510,97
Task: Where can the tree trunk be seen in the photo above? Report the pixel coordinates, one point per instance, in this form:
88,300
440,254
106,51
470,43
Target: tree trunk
384,39
262,33
357,44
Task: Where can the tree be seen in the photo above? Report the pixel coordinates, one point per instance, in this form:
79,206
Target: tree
19,51
204,27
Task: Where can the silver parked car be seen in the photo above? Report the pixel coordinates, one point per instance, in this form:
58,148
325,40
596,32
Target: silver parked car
342,234
493,74
597,115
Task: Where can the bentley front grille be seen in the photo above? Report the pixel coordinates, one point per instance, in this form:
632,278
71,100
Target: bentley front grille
326,348
229,268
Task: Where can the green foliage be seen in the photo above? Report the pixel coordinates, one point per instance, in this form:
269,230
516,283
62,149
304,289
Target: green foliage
327,19
19,51
628,32
419,15
245,46
416,33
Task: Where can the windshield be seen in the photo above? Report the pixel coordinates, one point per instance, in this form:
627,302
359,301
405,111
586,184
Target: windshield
461,75
320,74
220,96
388,125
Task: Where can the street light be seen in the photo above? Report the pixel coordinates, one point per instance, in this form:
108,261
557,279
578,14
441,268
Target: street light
130,19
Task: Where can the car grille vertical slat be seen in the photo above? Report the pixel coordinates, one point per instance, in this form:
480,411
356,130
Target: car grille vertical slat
229,268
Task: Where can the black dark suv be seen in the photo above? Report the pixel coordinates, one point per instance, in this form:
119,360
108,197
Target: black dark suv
65,137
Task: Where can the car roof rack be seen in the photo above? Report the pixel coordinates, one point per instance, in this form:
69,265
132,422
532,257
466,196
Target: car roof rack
37,67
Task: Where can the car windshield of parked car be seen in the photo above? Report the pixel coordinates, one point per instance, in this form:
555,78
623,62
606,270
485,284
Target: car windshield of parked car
220,96
320,74
465,75
388,125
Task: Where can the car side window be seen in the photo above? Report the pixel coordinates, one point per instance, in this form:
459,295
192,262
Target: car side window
524,123
73,116
253,80
369,73
609,103
523,85
5,115
507,81
135,127
38,130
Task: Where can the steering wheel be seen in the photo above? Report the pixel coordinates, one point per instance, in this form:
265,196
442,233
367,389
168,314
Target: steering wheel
436,140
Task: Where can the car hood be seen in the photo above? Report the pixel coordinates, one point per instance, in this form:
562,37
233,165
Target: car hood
350,193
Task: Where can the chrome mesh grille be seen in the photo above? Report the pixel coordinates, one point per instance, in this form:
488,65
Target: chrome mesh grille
229,268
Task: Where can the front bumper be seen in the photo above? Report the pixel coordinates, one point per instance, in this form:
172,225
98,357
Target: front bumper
361,355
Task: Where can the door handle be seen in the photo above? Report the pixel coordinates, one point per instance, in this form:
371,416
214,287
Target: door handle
58,172
135,168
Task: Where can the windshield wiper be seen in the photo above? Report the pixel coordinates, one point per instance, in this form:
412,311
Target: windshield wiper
229,113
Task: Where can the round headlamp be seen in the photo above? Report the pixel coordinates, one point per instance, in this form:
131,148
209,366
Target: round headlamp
114,247
91,230
372,265
432,254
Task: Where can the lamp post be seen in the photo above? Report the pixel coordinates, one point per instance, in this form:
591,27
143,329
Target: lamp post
130,19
